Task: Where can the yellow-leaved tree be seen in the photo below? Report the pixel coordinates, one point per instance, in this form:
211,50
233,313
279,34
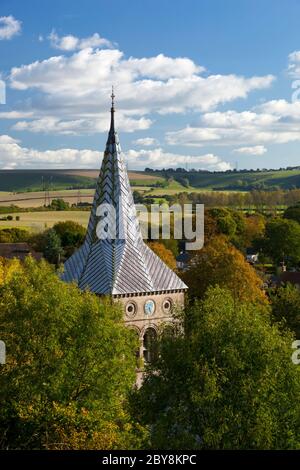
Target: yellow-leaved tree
220,263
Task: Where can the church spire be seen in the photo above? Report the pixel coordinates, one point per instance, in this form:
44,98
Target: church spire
122,264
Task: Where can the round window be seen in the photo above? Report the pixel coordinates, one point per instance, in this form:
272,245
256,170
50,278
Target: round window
131,309
167,305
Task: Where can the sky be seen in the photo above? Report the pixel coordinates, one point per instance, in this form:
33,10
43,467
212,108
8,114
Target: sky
206,84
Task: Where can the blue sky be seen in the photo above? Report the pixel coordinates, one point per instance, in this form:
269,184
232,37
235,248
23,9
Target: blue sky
200,83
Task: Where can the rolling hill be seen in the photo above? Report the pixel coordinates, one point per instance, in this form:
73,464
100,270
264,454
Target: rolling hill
173,180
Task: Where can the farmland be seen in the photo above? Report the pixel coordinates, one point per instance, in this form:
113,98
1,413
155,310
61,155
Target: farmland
40,220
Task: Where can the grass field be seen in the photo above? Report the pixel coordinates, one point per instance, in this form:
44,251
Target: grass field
38,221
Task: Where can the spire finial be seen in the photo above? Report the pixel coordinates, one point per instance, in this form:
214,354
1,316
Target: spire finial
112,112
112,97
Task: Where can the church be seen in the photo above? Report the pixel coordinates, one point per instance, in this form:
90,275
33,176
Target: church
123,266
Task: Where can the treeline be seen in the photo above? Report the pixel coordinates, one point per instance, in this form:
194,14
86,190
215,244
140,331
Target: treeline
259,200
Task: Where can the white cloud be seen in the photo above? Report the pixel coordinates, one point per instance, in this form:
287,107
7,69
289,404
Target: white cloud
78,86
158,158
9,27
16,114
255,150
163,67
72,43
247,127
146,141
281,108
53,125
12,155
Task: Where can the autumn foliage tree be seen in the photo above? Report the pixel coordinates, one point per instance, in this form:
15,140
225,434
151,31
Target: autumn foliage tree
220,263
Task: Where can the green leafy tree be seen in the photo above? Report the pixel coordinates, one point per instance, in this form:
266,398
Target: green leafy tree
293,213
52,246
223,380
71,234
286,307
225,221
59,205
281,241
70,364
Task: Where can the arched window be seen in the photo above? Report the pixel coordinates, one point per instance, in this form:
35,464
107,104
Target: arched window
150,345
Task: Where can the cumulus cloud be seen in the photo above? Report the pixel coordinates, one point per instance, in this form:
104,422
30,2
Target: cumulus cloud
281,108
53,125
78,86
247,127
16,114
255,150
72,43
158,158
146,141
9,27
12,155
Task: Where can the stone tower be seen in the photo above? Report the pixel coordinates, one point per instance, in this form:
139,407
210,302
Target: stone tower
124,267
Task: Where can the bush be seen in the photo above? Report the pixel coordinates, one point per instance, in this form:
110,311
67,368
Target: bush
13,235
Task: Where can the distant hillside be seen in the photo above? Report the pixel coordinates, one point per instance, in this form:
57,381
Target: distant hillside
37,180
236,180
175,180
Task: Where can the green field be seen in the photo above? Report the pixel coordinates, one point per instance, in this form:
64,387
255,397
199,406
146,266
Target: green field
38,221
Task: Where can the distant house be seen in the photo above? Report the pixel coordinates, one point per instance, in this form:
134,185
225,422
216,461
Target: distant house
18,250
251,255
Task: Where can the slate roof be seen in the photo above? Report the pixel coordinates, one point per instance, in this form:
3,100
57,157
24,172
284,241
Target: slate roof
125,264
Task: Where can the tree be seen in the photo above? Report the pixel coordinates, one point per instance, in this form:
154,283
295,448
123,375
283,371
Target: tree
281,241
59,205
254,228
225,221
292,213
71,233
70,364
228,382
165,255
286,307
52,246
220,263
